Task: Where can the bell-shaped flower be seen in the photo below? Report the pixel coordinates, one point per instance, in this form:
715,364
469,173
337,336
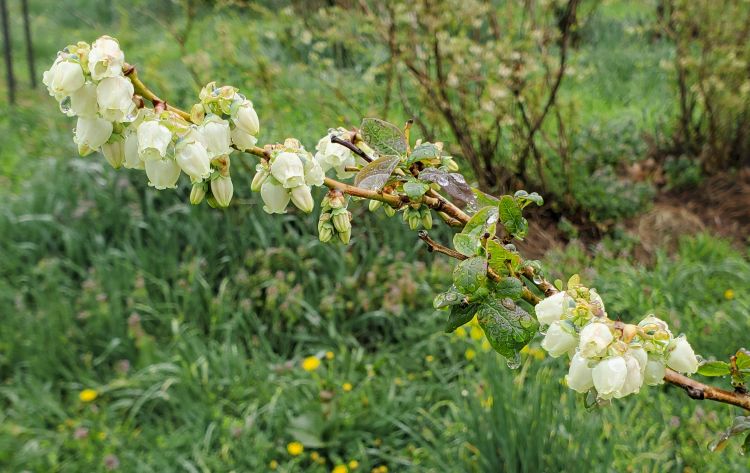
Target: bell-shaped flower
275,196
214,133
63,78
193,160
633,378
83,102
162,173
334,156
681,356
246,119
609,376
595,338
580,377
105,58
114,153
222,189
91,134
302,198
242,140
314,175
132,157
114,95
261,174
153,140
560,339
655,371
288,170
551,309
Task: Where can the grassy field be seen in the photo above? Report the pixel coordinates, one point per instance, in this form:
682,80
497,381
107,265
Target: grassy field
192,326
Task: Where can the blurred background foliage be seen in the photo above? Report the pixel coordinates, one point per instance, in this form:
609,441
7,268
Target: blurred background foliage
191,324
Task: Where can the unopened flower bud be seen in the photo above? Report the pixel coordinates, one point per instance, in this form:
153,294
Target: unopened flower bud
162,173
261,174
345,236
595,338
389,211
242,139
325,232
426,218
682,357
246,118
560,339
579,376
302,198
450,164
609,376
222,189
114,153
197,193
374,205
551,309
341,221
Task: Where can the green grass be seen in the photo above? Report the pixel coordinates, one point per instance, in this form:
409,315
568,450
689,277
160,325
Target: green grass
192,323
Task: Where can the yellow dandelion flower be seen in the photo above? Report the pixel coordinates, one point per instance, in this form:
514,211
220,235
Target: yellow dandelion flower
330,355
101,435
295,448
460,332
340,469
470,354
429,358
314,456
88,395
311,363
476,333
729,294
488,402
273,464
353,465
346,387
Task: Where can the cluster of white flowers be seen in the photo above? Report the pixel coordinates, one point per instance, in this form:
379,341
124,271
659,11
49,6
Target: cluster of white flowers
613,358
288,176
334,156
89,82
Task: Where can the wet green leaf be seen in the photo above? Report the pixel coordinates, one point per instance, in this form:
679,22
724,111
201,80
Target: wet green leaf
385,138
453,183
374,175
415,189
743,359
422,152
448,298
714,368
512,218
460,314
508,287
500,257
740,425
467,245
508,327
470,274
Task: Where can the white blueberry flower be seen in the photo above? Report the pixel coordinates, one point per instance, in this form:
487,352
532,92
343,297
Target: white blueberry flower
132,158
580,376
560,339
288,170
222,190
242,139
114,153
63,78
91,134
246,119
609,376
639,354
83,102
162,173
314,175
302,198
214,134
551,309
595,338
275,196
261,174
105,58
682,357
633,378
655,371
114,96
193,160
334,156
153,140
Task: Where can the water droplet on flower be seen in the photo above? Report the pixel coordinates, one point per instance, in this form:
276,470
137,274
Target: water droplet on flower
537,279
65,105
514,362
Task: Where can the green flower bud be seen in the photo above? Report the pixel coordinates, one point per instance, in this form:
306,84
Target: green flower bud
342,222
325,232
426,218
345,236
260,177
197,193
415,220
389,211
374,205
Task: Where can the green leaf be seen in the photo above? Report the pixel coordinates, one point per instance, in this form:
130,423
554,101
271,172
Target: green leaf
484,200
743,359
500,257
467,245
740,425
460,315
470,274
453,183
374,175
507,326
415,189
508,287
484,221
383,137
512,218
524,198
422,152
448,298
714,368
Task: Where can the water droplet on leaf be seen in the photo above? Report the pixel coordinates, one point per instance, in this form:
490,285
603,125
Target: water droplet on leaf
514,362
